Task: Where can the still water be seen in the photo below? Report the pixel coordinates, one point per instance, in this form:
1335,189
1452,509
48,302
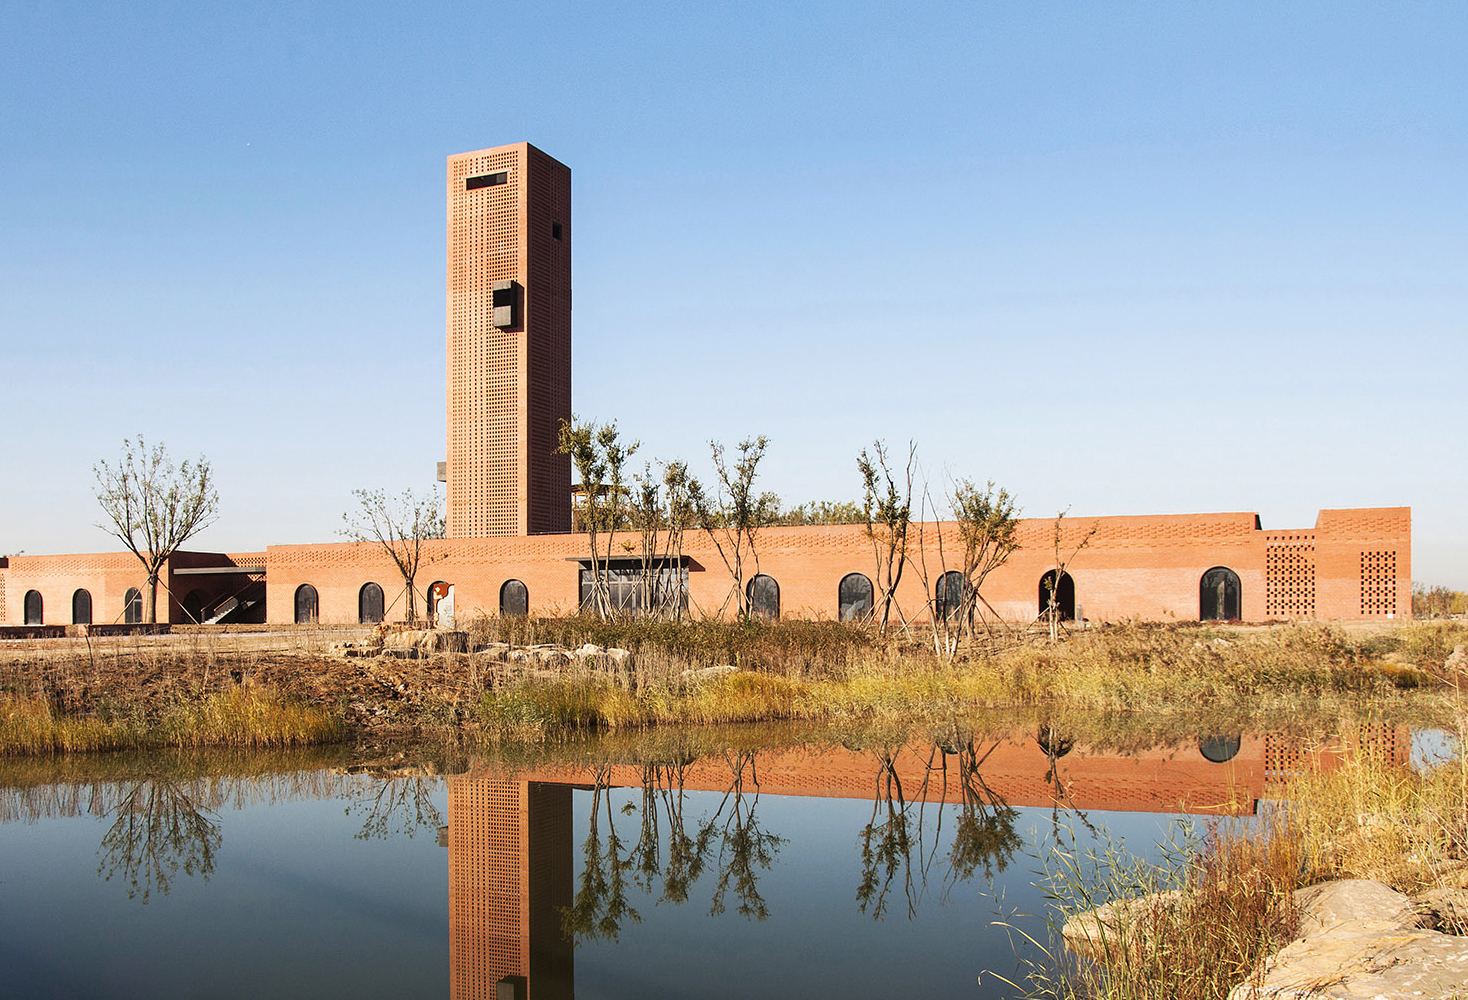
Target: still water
813,869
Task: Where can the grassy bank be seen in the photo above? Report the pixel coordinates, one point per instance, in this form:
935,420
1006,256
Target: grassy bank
1204,920
244,716
826,671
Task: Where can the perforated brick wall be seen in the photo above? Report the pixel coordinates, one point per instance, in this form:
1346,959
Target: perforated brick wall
1378,584
1289,575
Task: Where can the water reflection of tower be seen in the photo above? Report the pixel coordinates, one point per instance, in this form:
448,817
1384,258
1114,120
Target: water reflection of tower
509,879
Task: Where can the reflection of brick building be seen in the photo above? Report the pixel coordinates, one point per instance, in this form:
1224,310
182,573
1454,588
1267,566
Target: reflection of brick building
508,386
509,878
511,842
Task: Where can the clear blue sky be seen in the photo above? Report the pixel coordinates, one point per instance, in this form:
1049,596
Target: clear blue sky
1126,258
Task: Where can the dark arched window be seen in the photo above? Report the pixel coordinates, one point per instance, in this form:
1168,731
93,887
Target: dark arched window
1055,744
193,607
33,607
81,608
854,597
764,597
369,604
132,606
305,604
514,598
1220,749
1065,595
1219,595
948,596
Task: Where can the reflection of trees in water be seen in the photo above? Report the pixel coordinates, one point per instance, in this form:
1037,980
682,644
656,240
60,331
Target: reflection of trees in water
731,838
159,830
600,904
985,834
900,841
165,814
398,806
744,848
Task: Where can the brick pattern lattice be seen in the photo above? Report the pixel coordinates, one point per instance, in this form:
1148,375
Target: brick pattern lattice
485,898
1378,584
508,390
1289,575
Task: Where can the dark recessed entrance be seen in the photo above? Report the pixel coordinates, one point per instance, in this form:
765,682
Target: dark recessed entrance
1219,595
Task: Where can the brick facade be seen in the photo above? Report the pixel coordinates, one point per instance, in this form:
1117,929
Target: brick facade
508,388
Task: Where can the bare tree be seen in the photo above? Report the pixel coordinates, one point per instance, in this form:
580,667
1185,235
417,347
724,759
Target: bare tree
600,459
1052,612
887,510
155,506
400,524
733,516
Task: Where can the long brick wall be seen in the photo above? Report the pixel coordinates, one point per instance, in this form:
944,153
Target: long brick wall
1352,565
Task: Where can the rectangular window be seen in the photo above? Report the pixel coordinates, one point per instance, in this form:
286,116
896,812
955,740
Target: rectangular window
634,591
555,230
486,180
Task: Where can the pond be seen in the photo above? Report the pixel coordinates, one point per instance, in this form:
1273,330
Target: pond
716,866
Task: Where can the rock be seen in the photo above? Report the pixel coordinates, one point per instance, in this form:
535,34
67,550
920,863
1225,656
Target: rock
1105,929
1457,661
590,649
707,674
619,657
1360,940
1444,909
520,656
494,652
441,640
553,657
403,639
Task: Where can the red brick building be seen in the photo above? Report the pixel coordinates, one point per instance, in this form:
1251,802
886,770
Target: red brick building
508,545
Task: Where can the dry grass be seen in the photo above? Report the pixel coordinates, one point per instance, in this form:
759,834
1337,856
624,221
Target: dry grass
1233,901
240,716
827,671
1190,928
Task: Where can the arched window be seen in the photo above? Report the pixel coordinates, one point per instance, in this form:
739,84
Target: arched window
369,604
1219,595
854,597
193,607
81,608
1055,744
764,597
436,590
948,596
33,607
514,599
1065,595
305,604
132,606
1220,749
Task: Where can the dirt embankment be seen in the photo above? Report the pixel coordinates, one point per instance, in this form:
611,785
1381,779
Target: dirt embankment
144,675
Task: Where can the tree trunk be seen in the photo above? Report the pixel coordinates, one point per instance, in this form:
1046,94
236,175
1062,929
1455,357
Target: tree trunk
150,606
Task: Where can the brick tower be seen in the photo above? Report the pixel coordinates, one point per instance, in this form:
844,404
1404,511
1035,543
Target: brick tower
509,342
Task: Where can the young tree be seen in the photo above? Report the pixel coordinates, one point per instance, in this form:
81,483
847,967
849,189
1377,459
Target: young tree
600,459
887,511
400,524
1052,613
734,514
987,520
661,512
155,506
